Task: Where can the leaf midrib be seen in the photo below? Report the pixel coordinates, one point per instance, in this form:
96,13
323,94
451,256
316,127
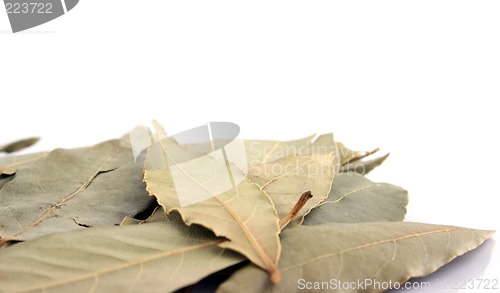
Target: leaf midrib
379,242
16,164
270,264
127,265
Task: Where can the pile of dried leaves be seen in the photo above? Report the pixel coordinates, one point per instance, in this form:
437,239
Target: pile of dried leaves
93,220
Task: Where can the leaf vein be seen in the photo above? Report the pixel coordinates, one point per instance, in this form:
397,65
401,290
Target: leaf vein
369,244
121,267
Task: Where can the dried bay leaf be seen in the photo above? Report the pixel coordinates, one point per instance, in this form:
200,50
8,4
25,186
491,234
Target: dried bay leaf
152,257
353,199
72,189
18,145
391,251
286,178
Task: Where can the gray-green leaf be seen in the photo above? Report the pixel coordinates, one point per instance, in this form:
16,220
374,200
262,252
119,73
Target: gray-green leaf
385,252
155,257
355,199
72,189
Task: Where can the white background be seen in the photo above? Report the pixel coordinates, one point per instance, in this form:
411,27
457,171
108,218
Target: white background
417,78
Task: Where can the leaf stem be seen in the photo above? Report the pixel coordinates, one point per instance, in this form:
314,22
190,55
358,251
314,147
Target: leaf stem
296,209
